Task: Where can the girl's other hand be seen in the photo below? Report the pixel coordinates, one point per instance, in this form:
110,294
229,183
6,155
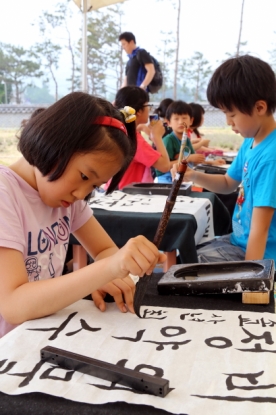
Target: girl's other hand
122,290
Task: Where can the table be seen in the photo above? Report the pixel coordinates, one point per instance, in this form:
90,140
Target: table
42,404
179,234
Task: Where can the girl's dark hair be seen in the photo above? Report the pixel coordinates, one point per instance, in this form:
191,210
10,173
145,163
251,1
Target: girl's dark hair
133,96
161,110
240,82
197,111
179,108
53,136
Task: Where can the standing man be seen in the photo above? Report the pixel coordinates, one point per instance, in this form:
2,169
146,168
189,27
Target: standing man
140,68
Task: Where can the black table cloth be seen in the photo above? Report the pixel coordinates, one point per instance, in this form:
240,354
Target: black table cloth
121,226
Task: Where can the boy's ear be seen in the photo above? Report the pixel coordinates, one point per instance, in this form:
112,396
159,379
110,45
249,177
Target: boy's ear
261,107
191,121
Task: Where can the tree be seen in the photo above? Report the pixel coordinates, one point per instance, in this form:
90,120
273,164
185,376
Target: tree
184,76
240,31
104,52
167,53
39,95
199,72
49,54
17,68
55,23
176,52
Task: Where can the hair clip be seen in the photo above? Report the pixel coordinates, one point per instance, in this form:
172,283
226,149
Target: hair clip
129,114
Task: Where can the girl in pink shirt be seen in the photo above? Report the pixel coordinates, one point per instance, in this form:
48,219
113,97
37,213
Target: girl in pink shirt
70,148
146,156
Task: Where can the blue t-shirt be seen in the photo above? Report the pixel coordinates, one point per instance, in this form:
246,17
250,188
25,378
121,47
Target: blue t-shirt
255,168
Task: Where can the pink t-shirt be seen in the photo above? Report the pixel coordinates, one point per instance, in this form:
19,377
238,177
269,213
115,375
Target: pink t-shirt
40,232
139,169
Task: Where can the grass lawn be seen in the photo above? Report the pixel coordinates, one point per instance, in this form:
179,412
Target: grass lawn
8,146
224,138
220,137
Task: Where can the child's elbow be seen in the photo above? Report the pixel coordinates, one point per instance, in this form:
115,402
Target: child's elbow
165,167
11,314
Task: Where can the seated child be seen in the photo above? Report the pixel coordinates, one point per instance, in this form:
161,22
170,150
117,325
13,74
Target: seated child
68,150
161,112
195,136
145,157
244,88
200,144
179,116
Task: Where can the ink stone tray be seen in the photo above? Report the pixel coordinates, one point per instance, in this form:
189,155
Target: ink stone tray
156,189
206,168
254,279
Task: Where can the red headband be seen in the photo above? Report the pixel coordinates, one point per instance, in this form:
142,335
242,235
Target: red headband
111,122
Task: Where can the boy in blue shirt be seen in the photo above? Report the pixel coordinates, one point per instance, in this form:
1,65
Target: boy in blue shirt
179,116
244,88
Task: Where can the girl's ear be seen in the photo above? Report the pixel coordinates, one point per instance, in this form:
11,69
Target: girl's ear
261,107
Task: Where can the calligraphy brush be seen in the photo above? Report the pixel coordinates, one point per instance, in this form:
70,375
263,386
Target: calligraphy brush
142,283
183,144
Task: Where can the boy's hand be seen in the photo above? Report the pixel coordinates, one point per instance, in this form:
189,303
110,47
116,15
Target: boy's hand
188,176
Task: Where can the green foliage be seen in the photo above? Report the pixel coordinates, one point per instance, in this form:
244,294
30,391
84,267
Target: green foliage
199,71
17,67
104,52
37,95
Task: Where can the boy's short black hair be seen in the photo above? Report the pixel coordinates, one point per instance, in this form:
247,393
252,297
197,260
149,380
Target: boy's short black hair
132,96
127,36
178,107
197,111
240,82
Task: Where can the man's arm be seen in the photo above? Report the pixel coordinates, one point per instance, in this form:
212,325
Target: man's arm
124,82
149,75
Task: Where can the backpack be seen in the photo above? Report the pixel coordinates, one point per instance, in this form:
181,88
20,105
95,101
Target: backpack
157,81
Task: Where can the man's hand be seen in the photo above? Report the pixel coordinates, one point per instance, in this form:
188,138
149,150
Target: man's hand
122,290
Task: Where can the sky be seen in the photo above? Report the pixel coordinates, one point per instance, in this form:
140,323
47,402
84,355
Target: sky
207,26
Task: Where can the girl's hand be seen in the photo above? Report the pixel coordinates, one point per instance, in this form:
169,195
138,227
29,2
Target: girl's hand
122,290
139,256
218,162
196,158
157,130
205,142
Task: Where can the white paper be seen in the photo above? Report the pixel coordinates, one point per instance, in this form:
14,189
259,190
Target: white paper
200,208
217,362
